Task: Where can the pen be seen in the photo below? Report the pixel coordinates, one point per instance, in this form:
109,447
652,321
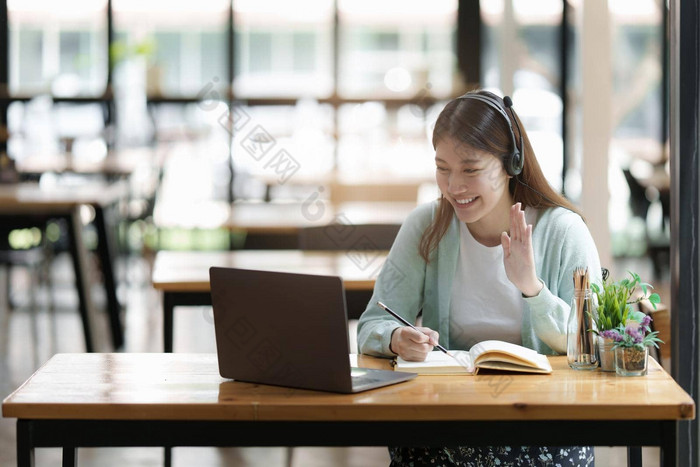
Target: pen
460,358
400,318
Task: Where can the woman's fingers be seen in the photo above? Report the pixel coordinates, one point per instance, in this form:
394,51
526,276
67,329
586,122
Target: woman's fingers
528,237
505,243
414,344
517,223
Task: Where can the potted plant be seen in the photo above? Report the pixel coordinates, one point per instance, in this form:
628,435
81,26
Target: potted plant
631,344
614,309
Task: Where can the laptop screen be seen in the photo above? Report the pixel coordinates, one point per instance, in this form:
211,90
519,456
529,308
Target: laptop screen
281,328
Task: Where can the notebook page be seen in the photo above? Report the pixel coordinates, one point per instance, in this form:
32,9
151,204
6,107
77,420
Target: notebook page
435,360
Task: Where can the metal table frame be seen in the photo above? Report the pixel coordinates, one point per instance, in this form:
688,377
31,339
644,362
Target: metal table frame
71,434
105,253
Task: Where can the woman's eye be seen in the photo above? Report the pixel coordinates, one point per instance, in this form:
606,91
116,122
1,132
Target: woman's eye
441,169
471,171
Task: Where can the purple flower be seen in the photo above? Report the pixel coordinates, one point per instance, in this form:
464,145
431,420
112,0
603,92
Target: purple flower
635,333
611,334
646,321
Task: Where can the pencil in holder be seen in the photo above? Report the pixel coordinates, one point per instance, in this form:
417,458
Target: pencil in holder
580,343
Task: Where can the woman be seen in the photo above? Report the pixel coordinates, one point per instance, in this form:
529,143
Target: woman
492,258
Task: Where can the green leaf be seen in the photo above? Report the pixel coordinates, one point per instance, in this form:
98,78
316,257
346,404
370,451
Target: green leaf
637,316
654,299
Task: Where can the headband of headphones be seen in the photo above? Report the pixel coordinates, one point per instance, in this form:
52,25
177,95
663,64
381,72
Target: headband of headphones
514,161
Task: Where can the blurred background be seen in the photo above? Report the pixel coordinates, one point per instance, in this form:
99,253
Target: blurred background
199,126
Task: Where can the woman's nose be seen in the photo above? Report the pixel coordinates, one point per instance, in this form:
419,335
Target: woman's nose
456,184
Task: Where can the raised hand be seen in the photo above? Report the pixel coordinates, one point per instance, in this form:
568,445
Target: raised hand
518,256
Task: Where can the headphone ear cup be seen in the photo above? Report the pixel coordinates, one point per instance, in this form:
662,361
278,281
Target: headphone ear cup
514,164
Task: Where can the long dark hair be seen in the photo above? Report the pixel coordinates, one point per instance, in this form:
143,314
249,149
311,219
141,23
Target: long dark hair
475,124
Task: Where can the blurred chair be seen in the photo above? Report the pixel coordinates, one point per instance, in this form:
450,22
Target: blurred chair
639,203
37,261
348,237
657,242
361,237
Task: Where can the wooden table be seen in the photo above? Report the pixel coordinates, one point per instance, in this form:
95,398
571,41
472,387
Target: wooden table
281,217
183,277
30,201
90,400
276,224
344,187
116,164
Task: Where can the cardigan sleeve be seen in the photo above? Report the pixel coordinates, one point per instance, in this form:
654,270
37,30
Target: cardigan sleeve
399,285
568,245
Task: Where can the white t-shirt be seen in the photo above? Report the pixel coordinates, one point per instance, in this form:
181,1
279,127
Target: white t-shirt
485,304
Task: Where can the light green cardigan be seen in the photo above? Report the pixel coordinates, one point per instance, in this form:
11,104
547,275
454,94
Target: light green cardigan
406,284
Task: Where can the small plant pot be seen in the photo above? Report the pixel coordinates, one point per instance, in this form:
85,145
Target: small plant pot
630,361
606,353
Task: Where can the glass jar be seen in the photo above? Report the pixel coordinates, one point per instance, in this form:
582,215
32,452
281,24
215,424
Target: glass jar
606,353
580,344
631,361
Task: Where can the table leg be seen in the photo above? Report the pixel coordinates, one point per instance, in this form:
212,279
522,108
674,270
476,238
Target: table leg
167,456
77,250
69,457
4,310
634,456
105,252
25,444
168,310
669,443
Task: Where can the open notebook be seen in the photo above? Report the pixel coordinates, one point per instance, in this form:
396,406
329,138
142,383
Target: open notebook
491,354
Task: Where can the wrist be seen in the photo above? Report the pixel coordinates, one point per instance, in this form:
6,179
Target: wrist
391,341
534,290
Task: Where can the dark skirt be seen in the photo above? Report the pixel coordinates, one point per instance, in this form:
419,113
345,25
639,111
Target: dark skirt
501,456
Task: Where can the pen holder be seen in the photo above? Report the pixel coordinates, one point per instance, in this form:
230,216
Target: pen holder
580,346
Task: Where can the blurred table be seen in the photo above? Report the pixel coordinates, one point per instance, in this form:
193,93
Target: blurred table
373,187
183,277
33,202
281,217
116,164
276,224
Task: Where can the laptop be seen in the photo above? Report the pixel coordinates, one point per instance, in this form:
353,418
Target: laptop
287,330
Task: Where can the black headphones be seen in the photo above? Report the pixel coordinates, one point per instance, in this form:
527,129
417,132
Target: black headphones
514,161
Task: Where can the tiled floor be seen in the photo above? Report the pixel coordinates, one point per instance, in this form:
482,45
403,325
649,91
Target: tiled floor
21,355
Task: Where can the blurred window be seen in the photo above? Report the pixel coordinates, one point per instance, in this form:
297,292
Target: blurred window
638,70
520,57
283,49
58,47
182,42
638,179
396,48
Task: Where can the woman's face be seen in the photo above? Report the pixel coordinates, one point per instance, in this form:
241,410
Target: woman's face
473,181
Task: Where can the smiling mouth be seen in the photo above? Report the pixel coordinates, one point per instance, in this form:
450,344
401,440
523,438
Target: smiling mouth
465,201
